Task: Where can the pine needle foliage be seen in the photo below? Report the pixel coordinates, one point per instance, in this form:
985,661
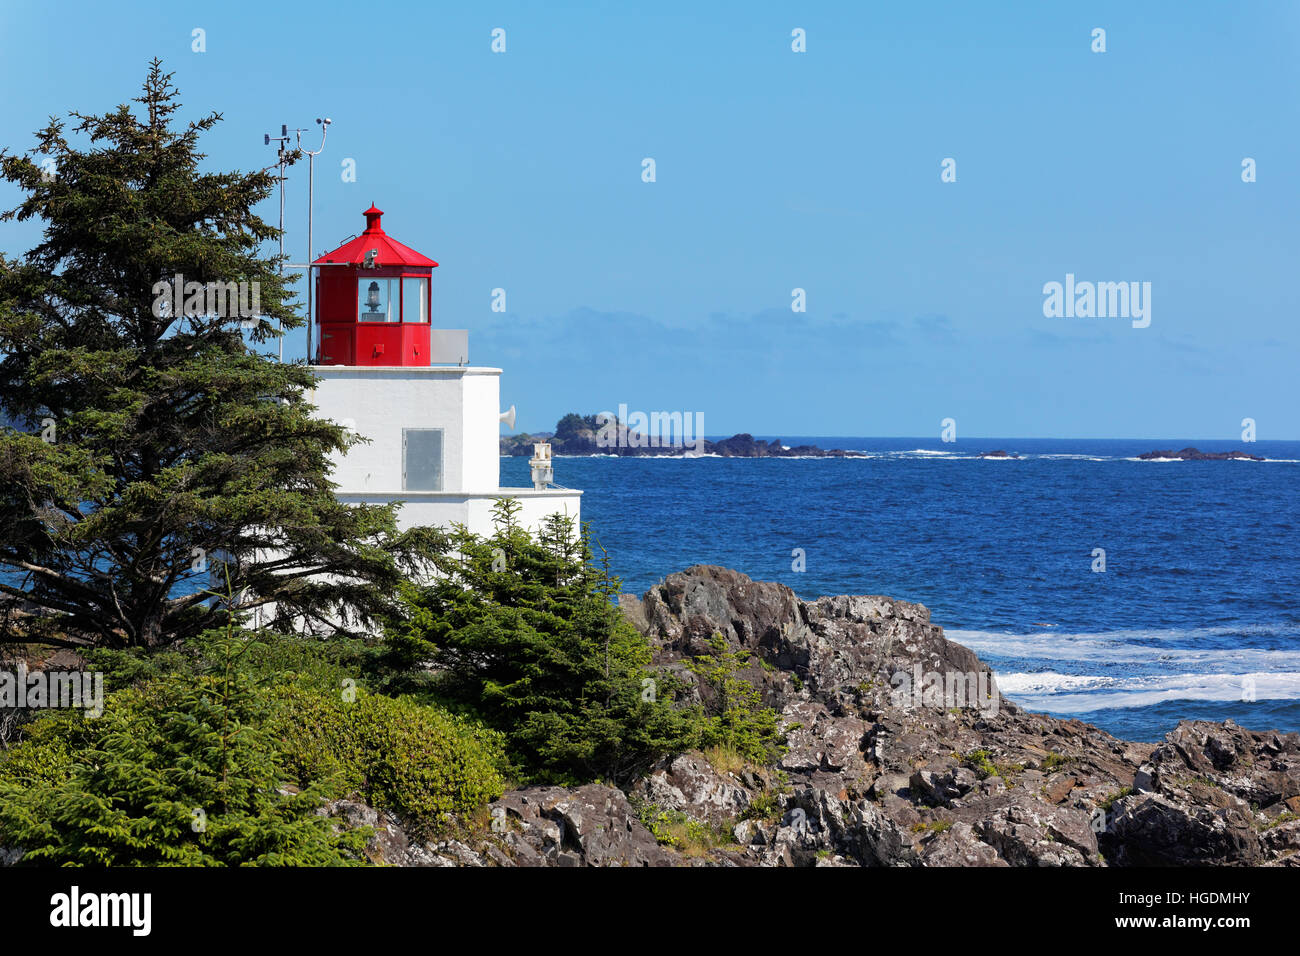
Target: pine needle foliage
523,633
180,773
142,447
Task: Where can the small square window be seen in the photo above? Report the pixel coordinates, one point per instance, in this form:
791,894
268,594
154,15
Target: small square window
377,300
415,300
422,459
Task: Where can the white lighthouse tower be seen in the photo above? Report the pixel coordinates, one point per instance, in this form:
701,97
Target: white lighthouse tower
433,420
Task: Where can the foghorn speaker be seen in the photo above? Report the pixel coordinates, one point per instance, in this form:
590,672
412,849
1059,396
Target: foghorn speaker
509,418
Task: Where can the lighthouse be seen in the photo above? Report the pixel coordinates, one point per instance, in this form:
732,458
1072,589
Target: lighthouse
433,420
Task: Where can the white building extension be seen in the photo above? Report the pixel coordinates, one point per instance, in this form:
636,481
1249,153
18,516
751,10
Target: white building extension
434,445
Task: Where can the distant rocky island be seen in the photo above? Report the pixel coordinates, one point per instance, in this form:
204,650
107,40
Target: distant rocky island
1195,454
605,435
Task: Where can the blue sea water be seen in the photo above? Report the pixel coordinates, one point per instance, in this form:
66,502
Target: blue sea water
1197,603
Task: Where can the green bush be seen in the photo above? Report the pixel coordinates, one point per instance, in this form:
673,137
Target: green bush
268,659
523,633
178,772
247,734
674,828
421,763
44,757
735,718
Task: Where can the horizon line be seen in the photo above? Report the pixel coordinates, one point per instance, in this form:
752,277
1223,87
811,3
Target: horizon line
924,438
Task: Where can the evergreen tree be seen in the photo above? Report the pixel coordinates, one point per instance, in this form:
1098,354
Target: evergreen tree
181,773
570,426
524,633
735,717
155,444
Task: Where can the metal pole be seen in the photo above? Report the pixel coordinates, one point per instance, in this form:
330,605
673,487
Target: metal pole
311,202
311,196
280,323
281,141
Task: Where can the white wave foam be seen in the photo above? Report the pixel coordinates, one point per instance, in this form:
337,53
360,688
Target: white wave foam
1121,647
1049,682
1072,694
925,454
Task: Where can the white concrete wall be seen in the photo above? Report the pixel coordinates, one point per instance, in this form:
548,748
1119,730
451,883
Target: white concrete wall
534,507
380,402
423,509
481,415
465,403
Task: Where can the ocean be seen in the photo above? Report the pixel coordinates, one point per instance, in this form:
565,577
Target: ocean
1194,613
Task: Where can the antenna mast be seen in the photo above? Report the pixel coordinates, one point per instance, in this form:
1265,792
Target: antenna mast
281,158
324,124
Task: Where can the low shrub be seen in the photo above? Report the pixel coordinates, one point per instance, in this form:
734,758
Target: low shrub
179,772
422,763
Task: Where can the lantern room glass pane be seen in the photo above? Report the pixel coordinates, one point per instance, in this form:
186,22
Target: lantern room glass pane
422,459
377,300
415,300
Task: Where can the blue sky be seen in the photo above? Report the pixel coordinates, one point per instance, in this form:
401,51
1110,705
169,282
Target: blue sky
776,170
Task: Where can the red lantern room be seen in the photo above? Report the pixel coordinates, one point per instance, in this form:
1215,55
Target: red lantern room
374,301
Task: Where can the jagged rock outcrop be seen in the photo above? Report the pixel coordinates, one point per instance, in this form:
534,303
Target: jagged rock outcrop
688,783
1213,794
891,777
591,825
900,753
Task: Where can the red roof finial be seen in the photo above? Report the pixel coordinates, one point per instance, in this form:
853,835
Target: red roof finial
390,251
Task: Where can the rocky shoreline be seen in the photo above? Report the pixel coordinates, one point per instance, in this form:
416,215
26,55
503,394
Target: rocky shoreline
878,777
